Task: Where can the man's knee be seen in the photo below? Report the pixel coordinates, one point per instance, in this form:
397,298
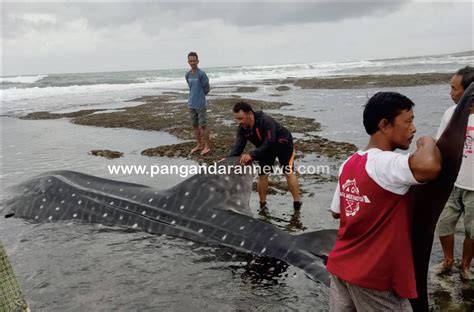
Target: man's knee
469,214
447,221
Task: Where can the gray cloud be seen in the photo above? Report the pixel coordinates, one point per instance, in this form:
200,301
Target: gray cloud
77,37
151,17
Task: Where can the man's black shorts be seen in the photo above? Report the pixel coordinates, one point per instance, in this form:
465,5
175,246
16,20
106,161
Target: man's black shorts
285,152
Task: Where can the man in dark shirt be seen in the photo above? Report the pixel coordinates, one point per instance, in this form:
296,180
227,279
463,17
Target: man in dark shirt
271,140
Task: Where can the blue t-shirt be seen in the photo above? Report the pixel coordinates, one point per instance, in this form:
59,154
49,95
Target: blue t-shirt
198,88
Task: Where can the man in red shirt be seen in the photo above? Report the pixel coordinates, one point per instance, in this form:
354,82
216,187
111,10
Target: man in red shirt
371,263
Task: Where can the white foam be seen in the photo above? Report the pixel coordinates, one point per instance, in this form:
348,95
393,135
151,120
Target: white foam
20,101
22,79
73,97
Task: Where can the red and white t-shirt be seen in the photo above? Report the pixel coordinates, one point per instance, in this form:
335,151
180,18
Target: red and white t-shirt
373,248
465,179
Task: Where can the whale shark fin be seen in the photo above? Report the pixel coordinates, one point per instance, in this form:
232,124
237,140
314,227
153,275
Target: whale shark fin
225,185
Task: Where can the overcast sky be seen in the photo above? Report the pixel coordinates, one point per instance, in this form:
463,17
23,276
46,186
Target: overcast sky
61,37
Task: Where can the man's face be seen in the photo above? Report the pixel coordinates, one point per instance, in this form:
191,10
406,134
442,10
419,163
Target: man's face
193,62
402,131
456,88
244,119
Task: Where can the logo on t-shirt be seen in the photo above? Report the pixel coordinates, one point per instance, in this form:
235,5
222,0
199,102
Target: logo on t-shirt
468,141
352,198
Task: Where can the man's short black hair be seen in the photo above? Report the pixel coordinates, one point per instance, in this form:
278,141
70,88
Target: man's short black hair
193,54
242,106
467,74
384,105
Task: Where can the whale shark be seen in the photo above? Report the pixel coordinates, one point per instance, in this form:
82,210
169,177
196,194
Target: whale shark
208,208
428,200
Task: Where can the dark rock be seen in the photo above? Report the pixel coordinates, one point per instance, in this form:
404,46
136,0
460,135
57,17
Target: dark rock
106,153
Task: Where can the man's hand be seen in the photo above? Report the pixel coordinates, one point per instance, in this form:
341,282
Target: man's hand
245,159
425,162
425,140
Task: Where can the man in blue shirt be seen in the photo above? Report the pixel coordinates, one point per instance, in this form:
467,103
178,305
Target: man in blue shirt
198,88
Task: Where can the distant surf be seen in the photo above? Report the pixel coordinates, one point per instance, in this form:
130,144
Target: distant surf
57,91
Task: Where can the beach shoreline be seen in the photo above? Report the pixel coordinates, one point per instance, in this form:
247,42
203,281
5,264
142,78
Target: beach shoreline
167,112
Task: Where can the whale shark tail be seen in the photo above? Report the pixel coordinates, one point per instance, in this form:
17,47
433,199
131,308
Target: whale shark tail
318,243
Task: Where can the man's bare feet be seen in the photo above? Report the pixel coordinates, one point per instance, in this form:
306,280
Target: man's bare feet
195,149
442,268
205,151
466,274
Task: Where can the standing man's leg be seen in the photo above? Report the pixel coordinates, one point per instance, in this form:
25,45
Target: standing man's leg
286,157
204,130
447,243
197,133
467,259
293,186
339,297
262,189
205,133
468,246
446,227
197,136
372,300
266,167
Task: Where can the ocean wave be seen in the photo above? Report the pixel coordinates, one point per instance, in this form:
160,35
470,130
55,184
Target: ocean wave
21,79
17,94
62,86
158,79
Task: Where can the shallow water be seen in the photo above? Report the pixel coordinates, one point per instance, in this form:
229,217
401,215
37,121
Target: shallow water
78,267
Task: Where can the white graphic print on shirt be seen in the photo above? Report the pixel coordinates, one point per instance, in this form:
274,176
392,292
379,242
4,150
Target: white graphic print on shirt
352,198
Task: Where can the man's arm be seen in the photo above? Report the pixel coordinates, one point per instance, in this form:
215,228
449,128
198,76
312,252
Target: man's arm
425,162
186,77
335,204
239,145
269,136
205,83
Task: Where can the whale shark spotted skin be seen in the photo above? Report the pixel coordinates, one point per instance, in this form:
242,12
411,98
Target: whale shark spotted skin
209,208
